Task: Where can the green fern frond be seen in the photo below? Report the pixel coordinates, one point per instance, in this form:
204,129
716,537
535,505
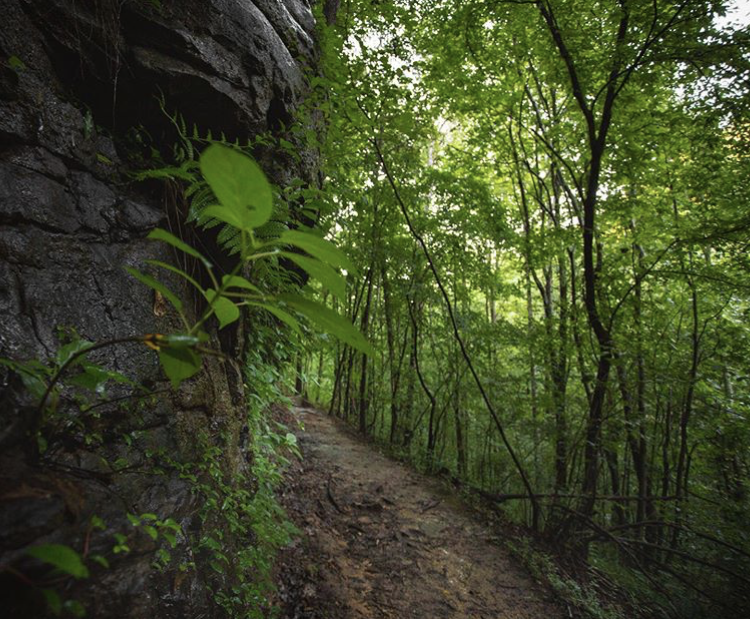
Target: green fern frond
230,239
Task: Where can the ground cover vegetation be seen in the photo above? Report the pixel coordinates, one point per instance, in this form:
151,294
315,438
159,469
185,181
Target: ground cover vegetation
547,204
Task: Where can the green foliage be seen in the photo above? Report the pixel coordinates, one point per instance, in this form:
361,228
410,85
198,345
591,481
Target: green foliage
572,169
544,569
162,235
200,193
33,373
66,562
240,185
243,525
329,321
245,204
160,288
157,530
69,377
15,63
325,251
62,557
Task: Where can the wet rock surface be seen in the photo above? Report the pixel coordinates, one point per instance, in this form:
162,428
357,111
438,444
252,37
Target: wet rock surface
77,81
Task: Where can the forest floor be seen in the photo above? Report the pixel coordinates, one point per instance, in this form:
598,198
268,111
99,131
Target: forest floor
382,541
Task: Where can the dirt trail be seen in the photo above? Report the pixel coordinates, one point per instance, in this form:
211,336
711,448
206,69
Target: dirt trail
380,540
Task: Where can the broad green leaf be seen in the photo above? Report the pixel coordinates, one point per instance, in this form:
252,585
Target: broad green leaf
329,321
32,375
156,285
179,363
239,184
67,352
170,537
162,235
35,385
222,213
151,531
88,380
94,378
64,558
97,523
235,281
323,250
283,316
54,603
179,272
226,311
320,271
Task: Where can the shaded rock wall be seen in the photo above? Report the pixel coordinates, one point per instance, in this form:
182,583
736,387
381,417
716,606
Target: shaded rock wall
77,101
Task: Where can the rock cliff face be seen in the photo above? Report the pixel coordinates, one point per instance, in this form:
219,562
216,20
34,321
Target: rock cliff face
78,108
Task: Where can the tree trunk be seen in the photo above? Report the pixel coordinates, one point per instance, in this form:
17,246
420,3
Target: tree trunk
364,327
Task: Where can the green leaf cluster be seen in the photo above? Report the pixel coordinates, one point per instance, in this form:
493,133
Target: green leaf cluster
245,203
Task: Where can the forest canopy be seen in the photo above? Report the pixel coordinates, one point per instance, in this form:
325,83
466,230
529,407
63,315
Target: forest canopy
547,202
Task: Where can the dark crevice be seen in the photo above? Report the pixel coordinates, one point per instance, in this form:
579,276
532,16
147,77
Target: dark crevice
108,312
278,117
32,318
83,233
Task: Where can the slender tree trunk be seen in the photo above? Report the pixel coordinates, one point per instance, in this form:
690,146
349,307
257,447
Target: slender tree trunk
687,409
393,370
646,508
298,382
319,377
560,383
665,448
364,327
425,388
597,131
458,418
408,410
614,474
586,377
634,444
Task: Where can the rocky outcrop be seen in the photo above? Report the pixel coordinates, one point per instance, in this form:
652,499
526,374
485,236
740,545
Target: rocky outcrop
79,109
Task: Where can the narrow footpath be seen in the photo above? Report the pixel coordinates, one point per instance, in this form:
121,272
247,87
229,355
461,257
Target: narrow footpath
380,540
